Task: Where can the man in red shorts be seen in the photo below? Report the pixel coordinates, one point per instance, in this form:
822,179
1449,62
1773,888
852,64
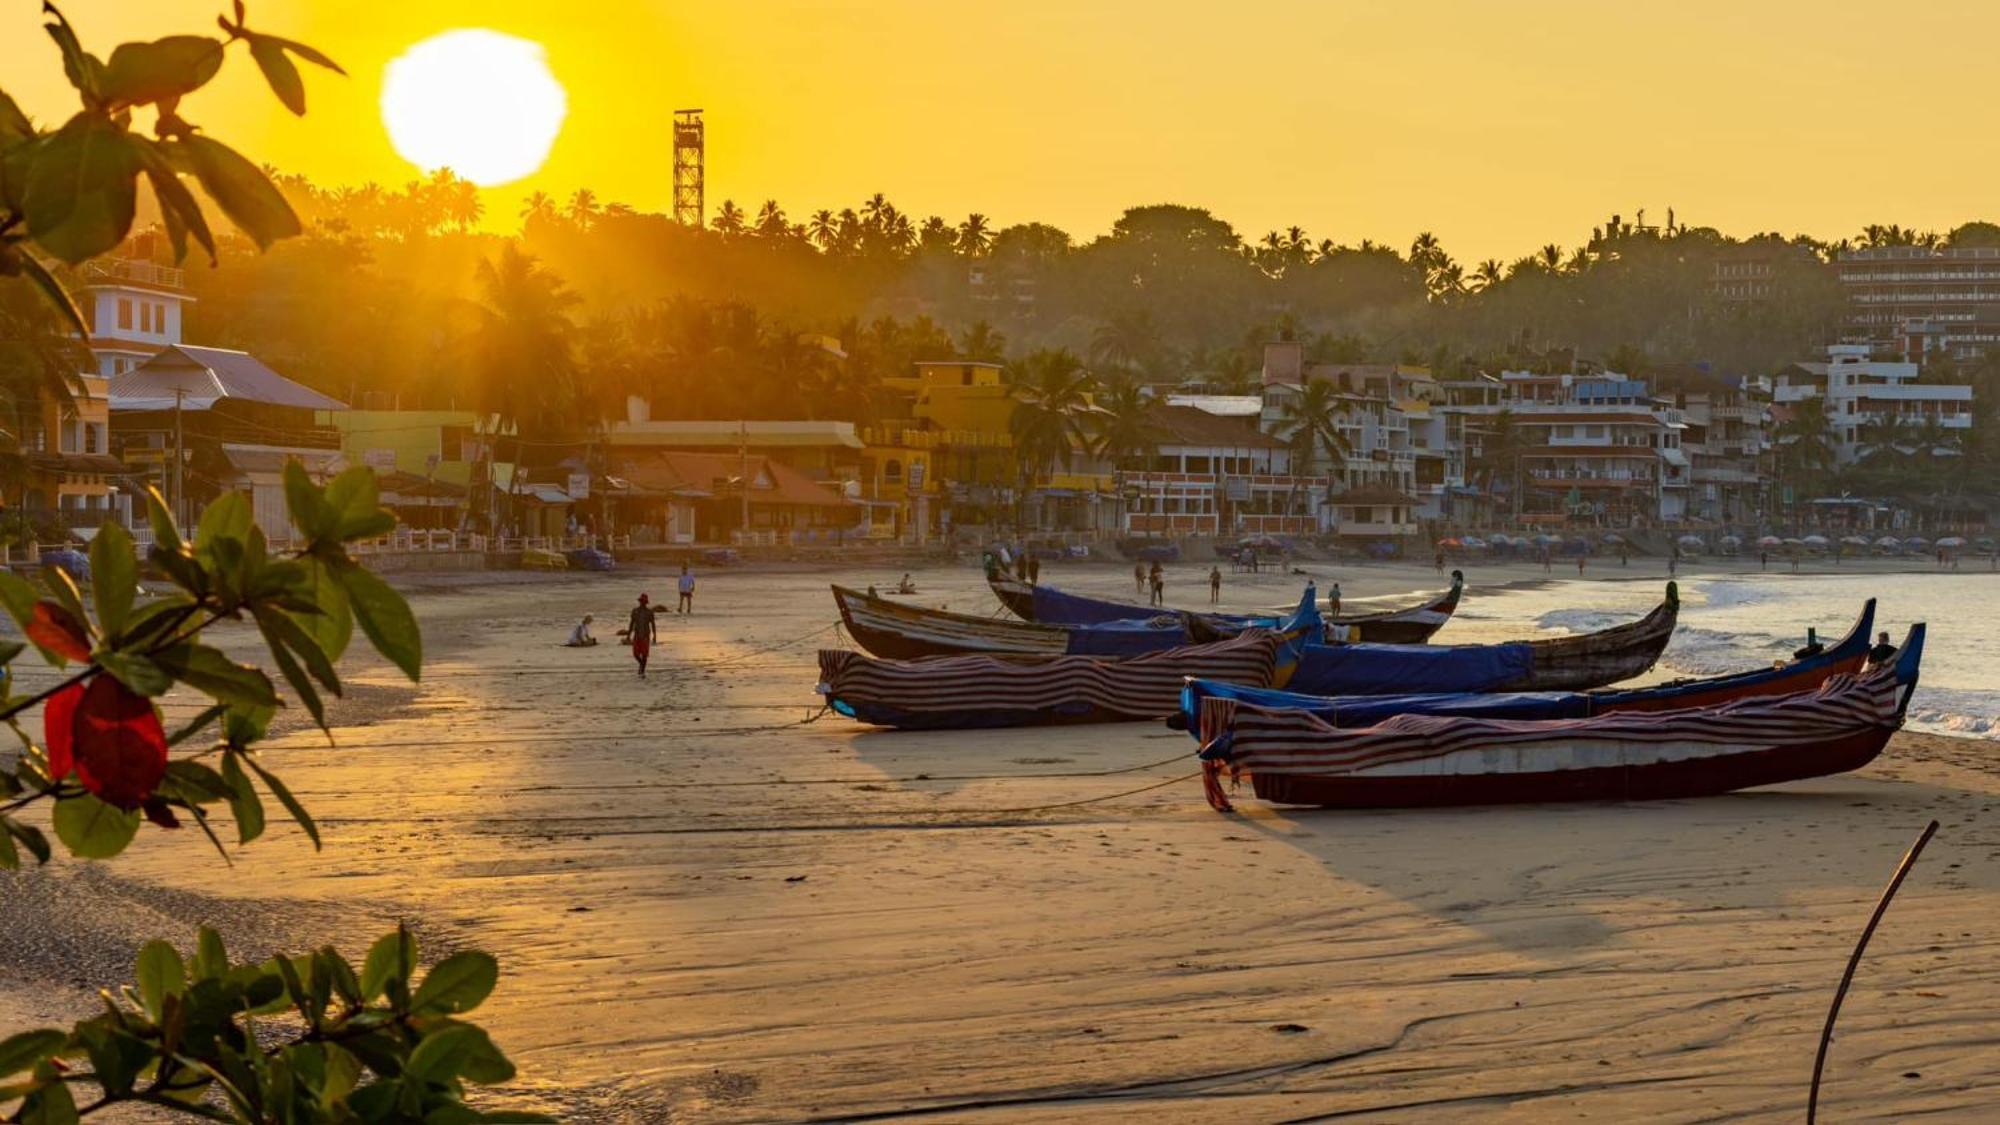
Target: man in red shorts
643,631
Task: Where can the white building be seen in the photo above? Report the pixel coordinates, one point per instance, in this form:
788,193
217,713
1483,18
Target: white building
134,307
1858,390
1217,475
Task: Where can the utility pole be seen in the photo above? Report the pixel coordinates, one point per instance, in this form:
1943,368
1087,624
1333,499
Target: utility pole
743,471
180,485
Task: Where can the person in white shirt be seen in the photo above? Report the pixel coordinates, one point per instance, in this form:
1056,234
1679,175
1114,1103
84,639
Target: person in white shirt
580,637
687,591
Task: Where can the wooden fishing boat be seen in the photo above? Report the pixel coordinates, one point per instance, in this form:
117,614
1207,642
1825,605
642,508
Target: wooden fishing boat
1293,757
1050,606
900,631
955,692
1805,673
1566,663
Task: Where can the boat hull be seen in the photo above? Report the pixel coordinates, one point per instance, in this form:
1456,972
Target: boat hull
1413,625
1654,781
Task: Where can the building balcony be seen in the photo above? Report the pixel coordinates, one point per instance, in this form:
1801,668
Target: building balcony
133,270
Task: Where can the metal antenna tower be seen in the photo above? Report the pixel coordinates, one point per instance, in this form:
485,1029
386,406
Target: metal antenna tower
689,139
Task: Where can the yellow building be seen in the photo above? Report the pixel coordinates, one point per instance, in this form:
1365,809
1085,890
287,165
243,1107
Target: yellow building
71,472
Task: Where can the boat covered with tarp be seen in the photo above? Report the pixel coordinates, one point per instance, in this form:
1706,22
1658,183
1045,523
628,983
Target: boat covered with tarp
1293,757
1564,663
1806,672
955,692
901,631
1048,605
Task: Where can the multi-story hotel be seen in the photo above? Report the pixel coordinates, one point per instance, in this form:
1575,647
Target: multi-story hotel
1913,299
1859,389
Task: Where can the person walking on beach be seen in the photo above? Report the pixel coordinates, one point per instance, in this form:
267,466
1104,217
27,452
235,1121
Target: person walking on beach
1333,601
1034,569
1673,564
642,632
1158,580
1215,585
1548,565
1763,560
1138,578
1579,566
686,604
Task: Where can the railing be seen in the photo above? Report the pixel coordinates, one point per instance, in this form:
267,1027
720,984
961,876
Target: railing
133,269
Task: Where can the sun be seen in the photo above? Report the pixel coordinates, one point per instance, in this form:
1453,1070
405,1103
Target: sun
478,102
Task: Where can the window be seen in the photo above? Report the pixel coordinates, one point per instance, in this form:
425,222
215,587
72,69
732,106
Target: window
90,439
125,313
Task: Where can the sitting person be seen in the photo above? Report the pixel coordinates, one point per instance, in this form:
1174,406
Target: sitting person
906,586
1883,652
580,637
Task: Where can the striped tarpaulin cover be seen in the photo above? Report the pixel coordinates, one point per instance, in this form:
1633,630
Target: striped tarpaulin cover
1141,687
1260,740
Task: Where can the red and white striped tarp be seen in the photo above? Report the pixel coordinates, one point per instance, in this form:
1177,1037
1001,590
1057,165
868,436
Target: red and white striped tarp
1268,741
1140,687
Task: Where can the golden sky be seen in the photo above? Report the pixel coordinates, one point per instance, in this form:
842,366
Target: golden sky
1499,125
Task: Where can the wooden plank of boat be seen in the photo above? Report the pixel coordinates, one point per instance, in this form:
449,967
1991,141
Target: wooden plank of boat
1293,757
1805,673
1408,625
959,692
1607,656
895,631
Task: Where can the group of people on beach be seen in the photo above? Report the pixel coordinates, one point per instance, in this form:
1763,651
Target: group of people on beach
642,630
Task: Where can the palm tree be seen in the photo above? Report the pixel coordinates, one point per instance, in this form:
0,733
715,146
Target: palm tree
981,342
539,208
1550,257
1500,456
1127,342
40,358
1310,424
822,229
1805,444
1121,428
1488,273
583,209
728,220
771,222
975,236
1052,397
936,235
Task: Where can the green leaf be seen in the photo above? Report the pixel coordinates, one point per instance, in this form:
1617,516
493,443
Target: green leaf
386,960
243,802
14,125
485,1064
11,649
285,798
82,188
280,73
21,1052
177,206
18,597
459,983
91,829
211,959
114,576
54,293
301,684
199,780
305,52
142,73
50,1105
210,671
386,618
228,517
80,66
311,514
161,972
63,587
282,627
333,626
30,837
242,190
165,534
136,672
440,1055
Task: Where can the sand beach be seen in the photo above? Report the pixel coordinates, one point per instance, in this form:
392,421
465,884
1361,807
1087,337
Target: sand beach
709,908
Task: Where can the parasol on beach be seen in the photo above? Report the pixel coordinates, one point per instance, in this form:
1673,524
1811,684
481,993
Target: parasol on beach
1951,541
1691,541
1770,541
1855,540
1613,537
1473,543
1916,543
1888,542
1816,541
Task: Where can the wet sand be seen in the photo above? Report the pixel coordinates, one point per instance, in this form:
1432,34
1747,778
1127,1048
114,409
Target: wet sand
708,909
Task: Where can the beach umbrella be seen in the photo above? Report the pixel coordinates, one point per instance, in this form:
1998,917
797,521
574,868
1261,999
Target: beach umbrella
1450,543
1691,541
1816,541
1473,543
1770,541
1951,541
1731,541
1613,537
1916,542
1855,540
1983,543
1888,542
1545,540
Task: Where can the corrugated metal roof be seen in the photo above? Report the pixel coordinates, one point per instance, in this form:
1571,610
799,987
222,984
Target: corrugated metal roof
201,377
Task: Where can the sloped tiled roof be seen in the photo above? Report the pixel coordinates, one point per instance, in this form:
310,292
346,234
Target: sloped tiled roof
206,376
699,474
1187,426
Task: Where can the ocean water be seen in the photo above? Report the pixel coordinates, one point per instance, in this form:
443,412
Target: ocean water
1732,623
